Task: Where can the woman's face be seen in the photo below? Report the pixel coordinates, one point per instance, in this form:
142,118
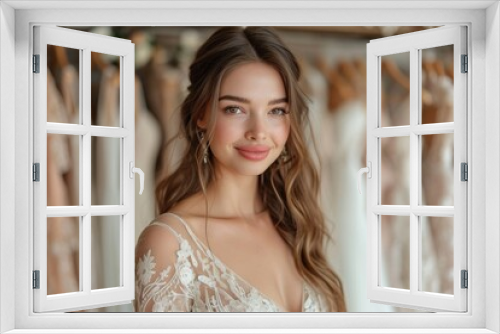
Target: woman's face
252,120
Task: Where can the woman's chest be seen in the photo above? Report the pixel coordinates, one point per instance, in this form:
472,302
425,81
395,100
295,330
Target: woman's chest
261,258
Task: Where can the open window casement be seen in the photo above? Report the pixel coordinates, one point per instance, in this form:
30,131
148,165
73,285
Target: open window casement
432,156
55,134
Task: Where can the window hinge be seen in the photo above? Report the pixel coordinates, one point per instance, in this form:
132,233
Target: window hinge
36,279
36,172
465,64
465,171
465,279
36,63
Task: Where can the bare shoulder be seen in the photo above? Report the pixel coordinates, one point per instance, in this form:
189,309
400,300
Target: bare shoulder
191,211
158,237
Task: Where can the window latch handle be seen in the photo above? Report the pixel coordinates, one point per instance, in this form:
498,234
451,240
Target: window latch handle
133,170
367,170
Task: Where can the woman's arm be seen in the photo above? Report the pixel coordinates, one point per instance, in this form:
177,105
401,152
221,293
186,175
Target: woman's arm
158,284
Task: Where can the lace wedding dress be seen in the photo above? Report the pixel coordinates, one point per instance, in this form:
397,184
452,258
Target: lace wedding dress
194,280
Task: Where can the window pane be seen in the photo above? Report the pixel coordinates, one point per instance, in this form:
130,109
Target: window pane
63,84
106,157
106,246
395,170
437,84
395,89
437,169
437,254
105,89
63,170
63,255
395,252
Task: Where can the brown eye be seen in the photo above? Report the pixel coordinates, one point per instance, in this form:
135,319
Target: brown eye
279,112
231,110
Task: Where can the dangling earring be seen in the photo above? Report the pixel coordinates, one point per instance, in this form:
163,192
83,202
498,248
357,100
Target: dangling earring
205,151
205,156
284,155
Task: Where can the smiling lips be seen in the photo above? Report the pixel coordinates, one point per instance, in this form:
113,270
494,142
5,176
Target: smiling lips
253,152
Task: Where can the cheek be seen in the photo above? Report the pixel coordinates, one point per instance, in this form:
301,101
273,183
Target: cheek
282,132
227,132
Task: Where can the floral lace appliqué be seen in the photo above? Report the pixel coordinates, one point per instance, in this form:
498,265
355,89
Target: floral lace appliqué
146,268
199,282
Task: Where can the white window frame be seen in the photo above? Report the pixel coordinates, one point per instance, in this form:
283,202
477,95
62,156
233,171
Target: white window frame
85,297
413,45
483,21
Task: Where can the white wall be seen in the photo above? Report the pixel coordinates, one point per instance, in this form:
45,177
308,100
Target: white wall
218,321
492,276
7,160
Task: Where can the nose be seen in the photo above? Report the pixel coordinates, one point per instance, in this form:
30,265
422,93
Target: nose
257,129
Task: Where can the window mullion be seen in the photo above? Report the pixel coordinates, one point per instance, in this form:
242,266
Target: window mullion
414,168
86,242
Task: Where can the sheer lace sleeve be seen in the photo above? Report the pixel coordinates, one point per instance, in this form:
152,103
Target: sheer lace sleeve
164,274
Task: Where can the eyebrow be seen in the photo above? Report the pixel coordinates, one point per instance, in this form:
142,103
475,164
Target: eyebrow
243,100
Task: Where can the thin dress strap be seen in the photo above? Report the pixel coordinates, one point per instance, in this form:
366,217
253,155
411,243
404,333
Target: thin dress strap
174,232
193,236
158,223
217,261
221,264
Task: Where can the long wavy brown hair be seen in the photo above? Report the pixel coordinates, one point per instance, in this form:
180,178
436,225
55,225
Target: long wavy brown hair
290,188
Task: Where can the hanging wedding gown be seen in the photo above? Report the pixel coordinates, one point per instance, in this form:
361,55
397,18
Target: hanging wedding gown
105,230
62,232
340,137
437,188
147,145
346,128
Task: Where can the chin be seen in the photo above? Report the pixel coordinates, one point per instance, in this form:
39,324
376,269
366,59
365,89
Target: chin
252,171
246,167
252,168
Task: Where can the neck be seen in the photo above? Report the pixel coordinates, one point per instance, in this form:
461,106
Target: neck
234,195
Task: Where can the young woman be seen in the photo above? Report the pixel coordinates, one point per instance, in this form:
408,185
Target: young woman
240,228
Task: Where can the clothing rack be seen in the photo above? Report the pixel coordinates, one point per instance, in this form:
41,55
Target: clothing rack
338,86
